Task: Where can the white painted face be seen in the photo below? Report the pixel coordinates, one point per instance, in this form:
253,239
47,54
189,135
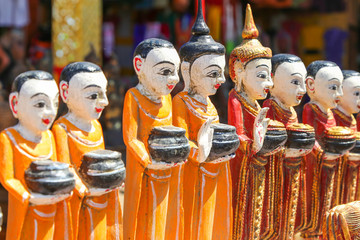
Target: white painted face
159,71
207,74
36,105
85,95
256,78
326,89
289,83
350,101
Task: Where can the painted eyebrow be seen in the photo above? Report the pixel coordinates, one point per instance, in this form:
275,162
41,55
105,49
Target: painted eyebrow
39,94
334,79
164,62
213,65
262,65
296,74
92,85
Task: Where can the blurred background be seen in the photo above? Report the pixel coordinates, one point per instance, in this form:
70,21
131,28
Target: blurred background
49,34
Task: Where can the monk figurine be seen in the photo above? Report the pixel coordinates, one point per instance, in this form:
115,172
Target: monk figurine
153,196
349,104
34,102
207,183
250,70
288,74
96,212
324,87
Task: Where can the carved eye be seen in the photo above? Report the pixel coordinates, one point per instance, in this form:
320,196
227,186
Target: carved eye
333,87
262,75
357,94
166,72
39,105
295,81
214,74
93,96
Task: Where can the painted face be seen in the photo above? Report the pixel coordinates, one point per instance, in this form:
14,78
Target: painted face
289,83
256,78
159,71
37,104
86,97
328,87
207,74
350,101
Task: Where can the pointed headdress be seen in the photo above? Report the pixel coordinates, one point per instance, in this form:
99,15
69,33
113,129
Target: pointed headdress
200,43
251,47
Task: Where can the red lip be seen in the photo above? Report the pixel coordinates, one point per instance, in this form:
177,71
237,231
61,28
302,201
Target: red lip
358,106
266,90
299,97
98,110
337,101
170,86
217,86
46,121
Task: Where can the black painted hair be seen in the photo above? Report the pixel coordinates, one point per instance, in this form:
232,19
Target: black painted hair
77,67
200,43
147,45
278,59
29,75
315,66
349,73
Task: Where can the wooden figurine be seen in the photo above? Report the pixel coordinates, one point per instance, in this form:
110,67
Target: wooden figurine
153,196
288,74
207,183
324,87
250,69
34,102
96,212
348,171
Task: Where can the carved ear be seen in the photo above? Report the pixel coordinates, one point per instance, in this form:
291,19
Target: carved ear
310,84
239,74
13,102
138,62
185,73
64,91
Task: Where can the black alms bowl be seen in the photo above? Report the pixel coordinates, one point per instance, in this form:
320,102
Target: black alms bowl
300,136
225,141
49,178
356,148
168,144
275,137
102,169
338,140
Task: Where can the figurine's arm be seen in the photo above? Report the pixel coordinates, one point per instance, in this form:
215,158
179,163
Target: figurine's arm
11,184
235,118
130,131
180,119
63,155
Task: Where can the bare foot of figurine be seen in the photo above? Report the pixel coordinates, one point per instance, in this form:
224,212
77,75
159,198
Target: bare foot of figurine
354,157
41,199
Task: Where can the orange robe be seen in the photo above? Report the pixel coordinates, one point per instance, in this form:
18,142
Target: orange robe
92,217
43,222
207,185
153,198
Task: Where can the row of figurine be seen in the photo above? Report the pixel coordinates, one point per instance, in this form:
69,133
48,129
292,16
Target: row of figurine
261,176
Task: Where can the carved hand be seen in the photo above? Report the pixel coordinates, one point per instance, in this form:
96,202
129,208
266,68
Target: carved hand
204,139
41,199
95,192
260,127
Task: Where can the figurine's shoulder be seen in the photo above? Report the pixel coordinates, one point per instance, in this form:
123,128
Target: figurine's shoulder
181,97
